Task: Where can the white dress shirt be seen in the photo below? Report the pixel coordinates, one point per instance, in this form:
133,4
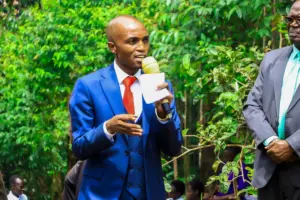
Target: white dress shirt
137,95
135,88
180,198
10,196
136,92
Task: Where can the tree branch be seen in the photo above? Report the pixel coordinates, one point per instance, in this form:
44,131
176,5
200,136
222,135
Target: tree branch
203,147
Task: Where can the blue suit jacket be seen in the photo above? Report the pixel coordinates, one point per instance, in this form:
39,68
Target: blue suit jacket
96,98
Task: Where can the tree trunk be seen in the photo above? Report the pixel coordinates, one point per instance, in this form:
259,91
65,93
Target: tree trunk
186,141
274,32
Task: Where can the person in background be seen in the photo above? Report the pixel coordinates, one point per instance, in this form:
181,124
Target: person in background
2,189
272,114
178,189
242,181
16,188
73,181
195,189
209,191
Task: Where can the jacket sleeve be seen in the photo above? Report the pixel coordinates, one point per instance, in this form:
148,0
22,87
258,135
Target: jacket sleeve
253,110
88,140
294,142
169,136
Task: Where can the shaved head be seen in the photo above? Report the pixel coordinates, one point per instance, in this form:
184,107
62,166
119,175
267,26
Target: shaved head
128,40
118,25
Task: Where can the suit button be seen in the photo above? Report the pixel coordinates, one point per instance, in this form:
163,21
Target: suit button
129,185
127,153
141,151
141,185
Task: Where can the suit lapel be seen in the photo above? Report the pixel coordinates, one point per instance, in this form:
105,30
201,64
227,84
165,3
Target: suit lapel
111,89
295,99
278,73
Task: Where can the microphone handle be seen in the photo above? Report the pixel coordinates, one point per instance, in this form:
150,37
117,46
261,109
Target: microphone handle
166,106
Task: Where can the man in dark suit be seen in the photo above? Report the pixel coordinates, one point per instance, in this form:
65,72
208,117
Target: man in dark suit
115,130
272,112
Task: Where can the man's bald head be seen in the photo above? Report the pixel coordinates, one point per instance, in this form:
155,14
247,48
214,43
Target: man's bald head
128,40
119,24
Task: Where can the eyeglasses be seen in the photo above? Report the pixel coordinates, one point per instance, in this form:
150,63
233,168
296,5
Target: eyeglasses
290,20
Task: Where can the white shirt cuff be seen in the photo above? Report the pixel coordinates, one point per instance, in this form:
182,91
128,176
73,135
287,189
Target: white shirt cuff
269,140
162,121
108,135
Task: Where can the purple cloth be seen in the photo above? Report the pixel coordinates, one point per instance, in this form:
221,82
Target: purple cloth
240,183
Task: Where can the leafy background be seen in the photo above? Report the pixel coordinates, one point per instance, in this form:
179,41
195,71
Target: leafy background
209,49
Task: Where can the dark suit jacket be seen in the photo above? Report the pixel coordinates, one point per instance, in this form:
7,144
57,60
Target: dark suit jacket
3,195
261,113
96,98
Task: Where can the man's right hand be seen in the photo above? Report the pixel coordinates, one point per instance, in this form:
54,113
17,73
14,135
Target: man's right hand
121,124
279,150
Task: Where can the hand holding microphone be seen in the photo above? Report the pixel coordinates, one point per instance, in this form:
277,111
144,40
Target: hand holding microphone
150,66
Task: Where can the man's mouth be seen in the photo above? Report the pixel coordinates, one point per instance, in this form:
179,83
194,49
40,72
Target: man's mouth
139,58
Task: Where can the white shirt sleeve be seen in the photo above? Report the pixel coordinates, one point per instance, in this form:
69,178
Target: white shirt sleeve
269,140
108,135
161,120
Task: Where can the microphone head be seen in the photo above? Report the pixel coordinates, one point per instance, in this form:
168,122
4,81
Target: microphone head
150,65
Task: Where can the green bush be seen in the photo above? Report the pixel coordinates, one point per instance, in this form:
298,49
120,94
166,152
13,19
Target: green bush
207,48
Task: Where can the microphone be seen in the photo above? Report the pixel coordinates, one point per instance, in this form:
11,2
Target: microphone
150,66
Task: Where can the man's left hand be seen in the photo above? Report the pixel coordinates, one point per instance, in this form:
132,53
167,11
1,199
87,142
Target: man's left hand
280,151
159,109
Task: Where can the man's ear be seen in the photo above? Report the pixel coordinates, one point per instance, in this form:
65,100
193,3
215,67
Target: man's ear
112,47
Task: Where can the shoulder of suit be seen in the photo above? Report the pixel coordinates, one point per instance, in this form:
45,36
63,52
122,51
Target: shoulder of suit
278,52
94,76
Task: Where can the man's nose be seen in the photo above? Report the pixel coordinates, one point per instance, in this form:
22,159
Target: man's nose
141,46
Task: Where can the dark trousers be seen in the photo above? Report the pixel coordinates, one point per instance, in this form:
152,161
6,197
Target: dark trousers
73,181
283,184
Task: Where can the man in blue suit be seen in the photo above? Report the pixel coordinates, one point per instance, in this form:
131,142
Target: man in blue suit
119,135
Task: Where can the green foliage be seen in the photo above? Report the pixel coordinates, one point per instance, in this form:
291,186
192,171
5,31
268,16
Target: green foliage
214,49
40,60
210,48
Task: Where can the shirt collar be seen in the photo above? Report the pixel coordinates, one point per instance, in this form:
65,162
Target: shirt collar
295,52
121,75
12,195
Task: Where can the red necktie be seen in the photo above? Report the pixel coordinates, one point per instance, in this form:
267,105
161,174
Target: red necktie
128,96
